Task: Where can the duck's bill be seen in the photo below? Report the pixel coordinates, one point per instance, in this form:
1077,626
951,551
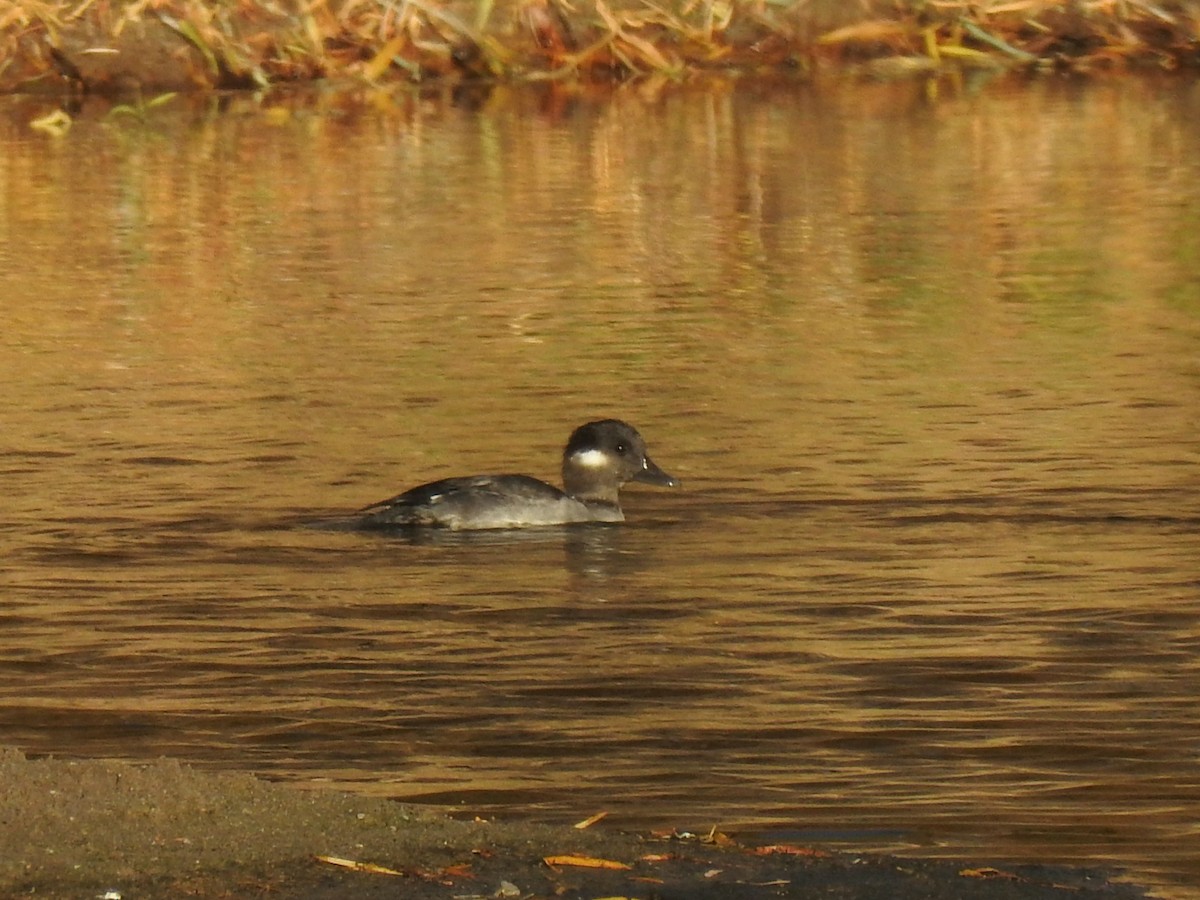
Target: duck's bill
652,474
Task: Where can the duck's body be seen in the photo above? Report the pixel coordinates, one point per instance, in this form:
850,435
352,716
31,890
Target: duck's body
599,458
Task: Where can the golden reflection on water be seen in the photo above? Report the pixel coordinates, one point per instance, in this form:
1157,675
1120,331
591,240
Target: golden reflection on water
928,371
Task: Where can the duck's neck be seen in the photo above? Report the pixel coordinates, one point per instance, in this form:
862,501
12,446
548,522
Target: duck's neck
588,487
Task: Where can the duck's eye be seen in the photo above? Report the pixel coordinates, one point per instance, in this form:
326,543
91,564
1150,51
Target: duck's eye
621,448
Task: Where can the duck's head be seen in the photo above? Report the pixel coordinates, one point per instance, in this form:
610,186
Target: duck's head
603,455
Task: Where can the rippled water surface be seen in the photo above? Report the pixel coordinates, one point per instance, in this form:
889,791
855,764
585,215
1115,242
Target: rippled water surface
928,365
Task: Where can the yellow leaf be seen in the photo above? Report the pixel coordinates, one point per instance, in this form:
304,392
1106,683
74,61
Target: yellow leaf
356,866
789,850
1022,7
383,59
607,16
875,31
969,54
590,821
588,862
931,44
648,51
987,872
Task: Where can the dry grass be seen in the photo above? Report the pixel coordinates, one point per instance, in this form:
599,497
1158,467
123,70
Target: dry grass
238,43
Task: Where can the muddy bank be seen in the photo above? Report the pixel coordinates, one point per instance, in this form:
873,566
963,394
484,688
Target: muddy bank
188,44
85,829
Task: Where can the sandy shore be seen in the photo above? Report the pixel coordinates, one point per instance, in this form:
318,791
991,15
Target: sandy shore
94,828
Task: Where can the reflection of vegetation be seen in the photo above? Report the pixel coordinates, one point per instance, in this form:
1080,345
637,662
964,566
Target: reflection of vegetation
251,44
140,109
56,123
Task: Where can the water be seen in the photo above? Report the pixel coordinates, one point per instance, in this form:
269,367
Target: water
927,363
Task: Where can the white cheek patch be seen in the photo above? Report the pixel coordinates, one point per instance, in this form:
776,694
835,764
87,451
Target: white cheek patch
591,459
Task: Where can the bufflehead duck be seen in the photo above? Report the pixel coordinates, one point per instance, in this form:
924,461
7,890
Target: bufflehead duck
599,458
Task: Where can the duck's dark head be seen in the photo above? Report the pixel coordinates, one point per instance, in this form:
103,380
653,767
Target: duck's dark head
603,455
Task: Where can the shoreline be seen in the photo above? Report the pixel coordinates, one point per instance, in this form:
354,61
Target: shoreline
98,828
58,48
